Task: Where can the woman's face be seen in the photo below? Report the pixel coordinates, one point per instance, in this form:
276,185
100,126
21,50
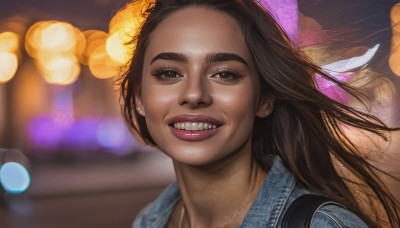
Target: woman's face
199,91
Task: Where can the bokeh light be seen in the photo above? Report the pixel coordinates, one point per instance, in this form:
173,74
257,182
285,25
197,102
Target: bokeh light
8,66
81,43
395,17
16,24
94,39
394,62
117,49
106,54
60,70
14,177
394,59
123,27
9,53
57,37
9,42
111,133
101,65
56,47
49,37
31,39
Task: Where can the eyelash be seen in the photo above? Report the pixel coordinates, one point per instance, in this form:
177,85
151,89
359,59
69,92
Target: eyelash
234,76
161,73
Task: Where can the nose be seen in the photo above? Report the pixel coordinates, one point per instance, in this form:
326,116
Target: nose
195,92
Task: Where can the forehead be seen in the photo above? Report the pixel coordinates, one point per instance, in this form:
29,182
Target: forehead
197,31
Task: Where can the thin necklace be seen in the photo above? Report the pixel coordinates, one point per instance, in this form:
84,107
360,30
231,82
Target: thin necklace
183,210
182,215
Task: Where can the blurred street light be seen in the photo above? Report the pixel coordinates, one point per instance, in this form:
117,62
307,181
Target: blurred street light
14,175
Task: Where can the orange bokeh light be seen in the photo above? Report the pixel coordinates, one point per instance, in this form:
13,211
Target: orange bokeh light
46,38
9,42
394,59
94,39
394,62
101,65
56,46
123,27
395,16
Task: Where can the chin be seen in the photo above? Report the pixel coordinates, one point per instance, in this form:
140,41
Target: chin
194,157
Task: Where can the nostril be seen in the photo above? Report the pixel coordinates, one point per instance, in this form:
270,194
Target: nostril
195,93
196,103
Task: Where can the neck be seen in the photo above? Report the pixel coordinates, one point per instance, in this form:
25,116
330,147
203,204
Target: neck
220,194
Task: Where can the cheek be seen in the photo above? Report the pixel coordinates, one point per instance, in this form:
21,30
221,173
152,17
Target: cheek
240,101
156,96
157,101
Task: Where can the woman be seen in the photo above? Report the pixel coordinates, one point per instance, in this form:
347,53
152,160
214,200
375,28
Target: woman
218,87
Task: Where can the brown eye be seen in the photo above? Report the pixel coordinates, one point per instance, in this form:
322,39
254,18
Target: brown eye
170,74
226,76
166,74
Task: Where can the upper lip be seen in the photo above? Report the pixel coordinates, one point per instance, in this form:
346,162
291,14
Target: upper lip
195,118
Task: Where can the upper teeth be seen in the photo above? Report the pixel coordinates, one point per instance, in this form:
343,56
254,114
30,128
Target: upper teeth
194,126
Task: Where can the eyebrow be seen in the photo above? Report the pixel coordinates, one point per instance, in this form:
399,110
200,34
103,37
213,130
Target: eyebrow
179,57
223,57
212,57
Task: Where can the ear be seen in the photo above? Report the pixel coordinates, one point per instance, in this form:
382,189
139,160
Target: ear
139,105
265,106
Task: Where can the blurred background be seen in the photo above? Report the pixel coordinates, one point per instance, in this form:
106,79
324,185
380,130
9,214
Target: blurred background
60,113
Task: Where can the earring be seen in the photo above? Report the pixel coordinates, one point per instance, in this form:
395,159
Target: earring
139,109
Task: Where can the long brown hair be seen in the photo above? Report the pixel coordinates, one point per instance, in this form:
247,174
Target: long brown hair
305,126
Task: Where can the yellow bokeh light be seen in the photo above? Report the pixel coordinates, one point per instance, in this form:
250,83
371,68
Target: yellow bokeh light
56,46
118,49
9,42
129,18
101,65
395,16
60,70
123,27
8,66
95,35
52,37
396,40
32,38
58,37
394,59
94,39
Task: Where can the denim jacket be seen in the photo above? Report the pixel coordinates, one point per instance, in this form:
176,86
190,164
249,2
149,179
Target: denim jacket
277,192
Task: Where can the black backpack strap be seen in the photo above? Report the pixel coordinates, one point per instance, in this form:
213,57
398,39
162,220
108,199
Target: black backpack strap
301,211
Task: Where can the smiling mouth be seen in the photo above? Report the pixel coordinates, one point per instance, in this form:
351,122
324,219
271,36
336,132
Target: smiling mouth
194,126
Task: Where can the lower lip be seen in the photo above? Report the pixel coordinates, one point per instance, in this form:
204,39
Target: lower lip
193,135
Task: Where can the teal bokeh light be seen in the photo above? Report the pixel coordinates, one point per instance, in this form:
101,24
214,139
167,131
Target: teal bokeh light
14,177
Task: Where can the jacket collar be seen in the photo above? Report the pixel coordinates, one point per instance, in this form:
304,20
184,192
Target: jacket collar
270,202
266,210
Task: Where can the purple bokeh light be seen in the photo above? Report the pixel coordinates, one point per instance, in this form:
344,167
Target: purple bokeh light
85,135
286,13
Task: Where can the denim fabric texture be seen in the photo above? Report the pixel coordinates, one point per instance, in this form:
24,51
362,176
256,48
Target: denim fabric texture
277,192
